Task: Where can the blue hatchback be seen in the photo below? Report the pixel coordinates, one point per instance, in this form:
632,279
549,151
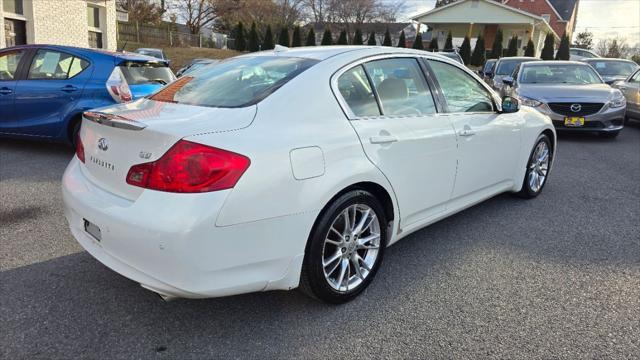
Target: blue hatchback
44,89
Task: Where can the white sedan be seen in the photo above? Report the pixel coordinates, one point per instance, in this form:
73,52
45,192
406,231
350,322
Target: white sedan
294,168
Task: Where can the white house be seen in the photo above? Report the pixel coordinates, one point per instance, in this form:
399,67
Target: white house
83,23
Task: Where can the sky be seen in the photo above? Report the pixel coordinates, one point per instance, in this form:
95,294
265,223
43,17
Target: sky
604,18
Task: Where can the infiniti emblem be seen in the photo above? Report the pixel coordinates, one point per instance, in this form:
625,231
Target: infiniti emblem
576,108
103,144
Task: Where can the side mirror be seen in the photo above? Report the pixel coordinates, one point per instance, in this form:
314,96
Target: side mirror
508,80
510,105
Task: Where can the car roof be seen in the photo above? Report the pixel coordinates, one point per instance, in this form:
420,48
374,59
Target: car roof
517,58
88,52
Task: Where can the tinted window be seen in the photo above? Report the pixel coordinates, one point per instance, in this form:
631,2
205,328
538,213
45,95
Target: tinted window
236,82
140,72
505,67
462,92
613,68
401,87
9,65
636,77
488,66
558,74
356,91
54,65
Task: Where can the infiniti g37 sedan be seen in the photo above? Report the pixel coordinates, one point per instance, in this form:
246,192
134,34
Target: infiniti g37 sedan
294,168
572,94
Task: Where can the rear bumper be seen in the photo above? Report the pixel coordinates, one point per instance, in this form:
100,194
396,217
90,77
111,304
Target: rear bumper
169,242
607,120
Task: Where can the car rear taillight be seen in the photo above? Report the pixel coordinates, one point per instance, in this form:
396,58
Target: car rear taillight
117,86
189,167
79,148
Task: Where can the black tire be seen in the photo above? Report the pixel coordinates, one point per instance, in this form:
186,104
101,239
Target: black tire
527,192
312,280
609,135
73,134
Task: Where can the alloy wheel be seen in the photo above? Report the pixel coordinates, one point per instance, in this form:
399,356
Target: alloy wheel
539,166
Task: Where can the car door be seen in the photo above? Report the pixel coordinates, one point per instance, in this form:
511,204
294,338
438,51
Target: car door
394,113
53,84
488,143
10,62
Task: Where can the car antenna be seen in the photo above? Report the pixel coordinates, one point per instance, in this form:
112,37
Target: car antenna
124,46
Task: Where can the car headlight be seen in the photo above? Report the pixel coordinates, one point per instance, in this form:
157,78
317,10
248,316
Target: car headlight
529,102
617,101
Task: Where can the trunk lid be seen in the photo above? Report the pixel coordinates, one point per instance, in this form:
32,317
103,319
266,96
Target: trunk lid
142,131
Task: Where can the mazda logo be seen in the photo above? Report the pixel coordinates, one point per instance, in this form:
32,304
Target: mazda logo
576,108
103,144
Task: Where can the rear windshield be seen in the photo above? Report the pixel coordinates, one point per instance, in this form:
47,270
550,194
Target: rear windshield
506,67
613,68
559,74
154,53
138,73
236,82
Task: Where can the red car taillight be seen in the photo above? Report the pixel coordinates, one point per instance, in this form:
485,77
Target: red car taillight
79,148
118,87
189,167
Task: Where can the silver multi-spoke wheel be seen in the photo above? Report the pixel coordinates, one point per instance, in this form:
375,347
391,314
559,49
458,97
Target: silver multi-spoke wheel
539,166
351,247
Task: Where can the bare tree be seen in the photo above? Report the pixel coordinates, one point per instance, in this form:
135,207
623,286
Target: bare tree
614,48
143,11
199,14
352,11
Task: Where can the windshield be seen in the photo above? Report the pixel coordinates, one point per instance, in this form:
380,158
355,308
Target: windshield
505,67
559,74
613,68
489,65
137,73
236,82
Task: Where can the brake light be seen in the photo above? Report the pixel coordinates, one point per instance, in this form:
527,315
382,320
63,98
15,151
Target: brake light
118,87
189,167
79,148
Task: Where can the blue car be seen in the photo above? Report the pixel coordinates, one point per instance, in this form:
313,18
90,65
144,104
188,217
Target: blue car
44,89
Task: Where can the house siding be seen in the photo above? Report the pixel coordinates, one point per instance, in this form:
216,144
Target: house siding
65,22
540,7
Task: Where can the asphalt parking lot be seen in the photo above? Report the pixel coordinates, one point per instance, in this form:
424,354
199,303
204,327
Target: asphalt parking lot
553,277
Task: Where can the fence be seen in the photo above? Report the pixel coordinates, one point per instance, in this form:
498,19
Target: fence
167,35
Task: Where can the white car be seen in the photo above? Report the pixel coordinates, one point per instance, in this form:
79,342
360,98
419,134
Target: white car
294,168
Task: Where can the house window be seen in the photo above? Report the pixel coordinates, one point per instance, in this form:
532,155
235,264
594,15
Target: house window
13,6
95,39
93,23
93,17
547,18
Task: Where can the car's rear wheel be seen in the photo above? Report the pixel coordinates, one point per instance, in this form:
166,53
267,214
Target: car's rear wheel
345,248
538,168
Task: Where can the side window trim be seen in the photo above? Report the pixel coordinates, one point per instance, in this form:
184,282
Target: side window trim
448,112
374,90
34,53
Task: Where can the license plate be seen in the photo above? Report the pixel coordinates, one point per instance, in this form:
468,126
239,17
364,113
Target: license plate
92,229
574,121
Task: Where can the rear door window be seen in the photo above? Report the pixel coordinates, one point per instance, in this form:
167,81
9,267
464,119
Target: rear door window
357,92
9,65
55,65
401,87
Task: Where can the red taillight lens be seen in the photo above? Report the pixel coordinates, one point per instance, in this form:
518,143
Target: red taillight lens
189,167
79,148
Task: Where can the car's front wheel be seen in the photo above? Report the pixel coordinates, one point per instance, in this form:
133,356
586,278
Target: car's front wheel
538,168
345,248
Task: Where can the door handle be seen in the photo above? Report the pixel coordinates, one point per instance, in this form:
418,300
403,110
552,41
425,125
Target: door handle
382,139
5,91
467,132
69,88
